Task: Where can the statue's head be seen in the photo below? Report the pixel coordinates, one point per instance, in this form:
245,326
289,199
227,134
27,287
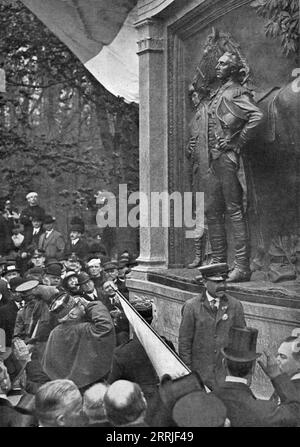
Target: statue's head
229,66
217,45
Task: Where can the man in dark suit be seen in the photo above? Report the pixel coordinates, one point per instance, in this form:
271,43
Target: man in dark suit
32,211
89,291
76,243
131,362
4,233
4,291
243,408
51,241
32,236
206,321
8,312
288,358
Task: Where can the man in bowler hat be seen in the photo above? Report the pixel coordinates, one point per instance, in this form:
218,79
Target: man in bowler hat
243,408
52,240
205,325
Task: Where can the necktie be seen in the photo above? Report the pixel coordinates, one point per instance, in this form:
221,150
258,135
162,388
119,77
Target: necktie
214,306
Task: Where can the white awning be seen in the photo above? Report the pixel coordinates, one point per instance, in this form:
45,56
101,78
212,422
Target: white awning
101,34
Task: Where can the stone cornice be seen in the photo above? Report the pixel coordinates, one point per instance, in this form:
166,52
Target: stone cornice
150,36
150,44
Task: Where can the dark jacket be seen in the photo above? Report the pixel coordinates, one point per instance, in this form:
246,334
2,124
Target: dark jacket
54,245
131,362
100,296
31,240
202,335
81,351
8,315
28,214
5,241
81,248
244,410
9,417
5,292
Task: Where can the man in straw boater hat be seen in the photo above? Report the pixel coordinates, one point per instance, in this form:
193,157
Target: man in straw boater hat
243,408
80,347
205,325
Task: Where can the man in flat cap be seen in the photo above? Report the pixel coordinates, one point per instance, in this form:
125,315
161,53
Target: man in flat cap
52,240
32,211
205,324
80,347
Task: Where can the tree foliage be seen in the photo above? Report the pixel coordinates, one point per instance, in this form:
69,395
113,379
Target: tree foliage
60,129
282,21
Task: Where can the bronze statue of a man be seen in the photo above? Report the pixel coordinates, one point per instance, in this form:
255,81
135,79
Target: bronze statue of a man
232,122
197,154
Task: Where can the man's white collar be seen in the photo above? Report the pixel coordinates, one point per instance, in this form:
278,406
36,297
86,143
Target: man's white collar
210,298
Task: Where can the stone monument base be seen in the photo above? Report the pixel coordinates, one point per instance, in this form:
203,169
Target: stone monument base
274,309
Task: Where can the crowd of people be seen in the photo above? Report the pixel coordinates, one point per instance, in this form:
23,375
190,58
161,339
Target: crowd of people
69,357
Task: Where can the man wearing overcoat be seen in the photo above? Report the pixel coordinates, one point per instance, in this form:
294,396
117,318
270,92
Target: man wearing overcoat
205,325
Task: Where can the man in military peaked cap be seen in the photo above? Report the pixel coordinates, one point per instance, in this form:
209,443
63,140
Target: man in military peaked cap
205,325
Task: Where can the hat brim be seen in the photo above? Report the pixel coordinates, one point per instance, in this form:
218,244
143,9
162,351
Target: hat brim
215,278
84,282
27,286
245,357
11,271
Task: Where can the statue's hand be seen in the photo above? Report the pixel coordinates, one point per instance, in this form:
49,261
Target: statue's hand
224,145
192,145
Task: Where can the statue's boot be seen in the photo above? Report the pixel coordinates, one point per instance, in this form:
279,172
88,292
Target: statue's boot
198,254
241,270
217,239
199,244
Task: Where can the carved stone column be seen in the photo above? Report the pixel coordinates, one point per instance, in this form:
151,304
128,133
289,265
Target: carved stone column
153,150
